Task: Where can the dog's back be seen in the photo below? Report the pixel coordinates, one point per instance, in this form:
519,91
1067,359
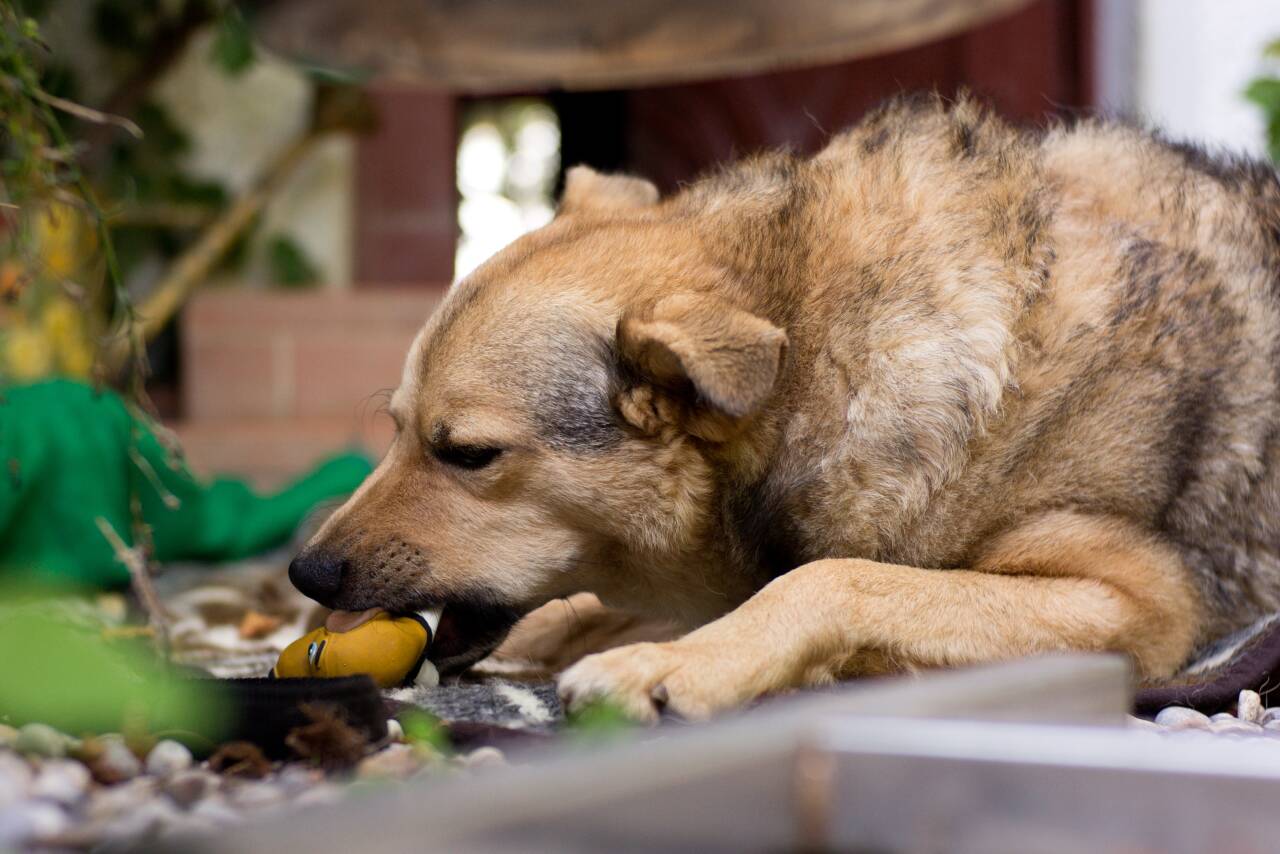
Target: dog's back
997,324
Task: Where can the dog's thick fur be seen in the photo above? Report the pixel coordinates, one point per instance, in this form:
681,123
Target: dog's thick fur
947,392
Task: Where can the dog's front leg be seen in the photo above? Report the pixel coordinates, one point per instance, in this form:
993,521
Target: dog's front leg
1063,582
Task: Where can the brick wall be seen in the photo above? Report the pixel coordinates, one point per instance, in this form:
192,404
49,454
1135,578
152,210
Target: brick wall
272,381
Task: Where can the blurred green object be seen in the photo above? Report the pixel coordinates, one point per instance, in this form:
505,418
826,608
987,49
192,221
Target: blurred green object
599,720
1265,92
423,728
62,671
72,458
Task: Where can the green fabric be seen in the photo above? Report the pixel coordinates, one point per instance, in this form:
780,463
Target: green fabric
65,452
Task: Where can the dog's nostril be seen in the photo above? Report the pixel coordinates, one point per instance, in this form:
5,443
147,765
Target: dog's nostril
317,575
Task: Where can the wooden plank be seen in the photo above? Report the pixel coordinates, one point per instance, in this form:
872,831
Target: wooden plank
486,46
968,788
601,797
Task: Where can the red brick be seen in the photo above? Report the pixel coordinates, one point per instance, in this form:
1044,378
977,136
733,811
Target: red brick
339,375
234,378
254,354
406,197
270,451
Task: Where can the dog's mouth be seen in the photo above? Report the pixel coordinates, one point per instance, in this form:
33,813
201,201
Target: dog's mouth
468,632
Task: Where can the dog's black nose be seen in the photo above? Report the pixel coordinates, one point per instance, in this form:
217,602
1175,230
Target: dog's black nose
317,574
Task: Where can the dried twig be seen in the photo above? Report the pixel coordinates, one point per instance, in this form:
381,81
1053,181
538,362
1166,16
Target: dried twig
135,561
89,114
193,266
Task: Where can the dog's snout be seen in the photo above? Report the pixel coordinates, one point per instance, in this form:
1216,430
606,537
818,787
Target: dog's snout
318,574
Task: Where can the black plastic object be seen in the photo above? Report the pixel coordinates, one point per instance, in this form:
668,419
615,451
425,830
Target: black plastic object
264,711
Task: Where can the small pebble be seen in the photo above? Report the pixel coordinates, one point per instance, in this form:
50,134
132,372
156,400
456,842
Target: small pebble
168,757
1178,717
149,818
256,795
41,740
15,778
1249,707
183,824
64,781
1142,723
297,778
30,821
491,757
188,787
1269,715
115,762
215,811
111,801
323,795
1235,726
1222,716
395,732
396,762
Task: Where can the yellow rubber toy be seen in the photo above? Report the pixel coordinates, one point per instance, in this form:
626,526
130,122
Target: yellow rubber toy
392,650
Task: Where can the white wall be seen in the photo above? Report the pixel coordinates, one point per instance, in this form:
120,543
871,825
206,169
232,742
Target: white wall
237,125
1193,61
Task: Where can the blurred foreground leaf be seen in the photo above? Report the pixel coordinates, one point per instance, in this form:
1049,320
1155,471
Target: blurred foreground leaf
599,719
65,673
423,728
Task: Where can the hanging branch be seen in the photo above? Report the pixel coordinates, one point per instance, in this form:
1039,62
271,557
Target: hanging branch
336,109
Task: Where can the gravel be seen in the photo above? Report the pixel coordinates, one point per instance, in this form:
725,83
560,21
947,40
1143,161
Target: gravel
41,740
167,758
56,791
1250,719
63,781
1176,717
62,793
114,762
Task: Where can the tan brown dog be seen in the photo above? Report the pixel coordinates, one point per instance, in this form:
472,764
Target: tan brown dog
947,392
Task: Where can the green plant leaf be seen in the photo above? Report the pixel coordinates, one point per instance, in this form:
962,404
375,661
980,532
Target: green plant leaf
56,671
423,728
233,46
332,74
290,266
1265,92
599,719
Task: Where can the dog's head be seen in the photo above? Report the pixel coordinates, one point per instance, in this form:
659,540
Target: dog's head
558,425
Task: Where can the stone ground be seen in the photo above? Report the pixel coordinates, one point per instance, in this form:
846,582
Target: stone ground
63,792
59,791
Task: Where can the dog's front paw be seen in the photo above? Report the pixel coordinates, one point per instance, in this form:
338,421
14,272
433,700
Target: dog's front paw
645,679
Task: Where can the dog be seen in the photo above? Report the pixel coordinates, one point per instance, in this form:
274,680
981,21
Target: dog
947,392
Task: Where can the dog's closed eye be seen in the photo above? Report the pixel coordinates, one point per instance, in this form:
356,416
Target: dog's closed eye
466,456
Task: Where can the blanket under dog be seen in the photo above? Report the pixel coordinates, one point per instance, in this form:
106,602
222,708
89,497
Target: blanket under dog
209,605
1246,660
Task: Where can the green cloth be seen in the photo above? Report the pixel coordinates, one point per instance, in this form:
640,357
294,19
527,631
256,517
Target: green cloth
69,456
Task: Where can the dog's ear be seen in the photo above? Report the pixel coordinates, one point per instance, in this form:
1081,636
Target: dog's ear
703,364
587,189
